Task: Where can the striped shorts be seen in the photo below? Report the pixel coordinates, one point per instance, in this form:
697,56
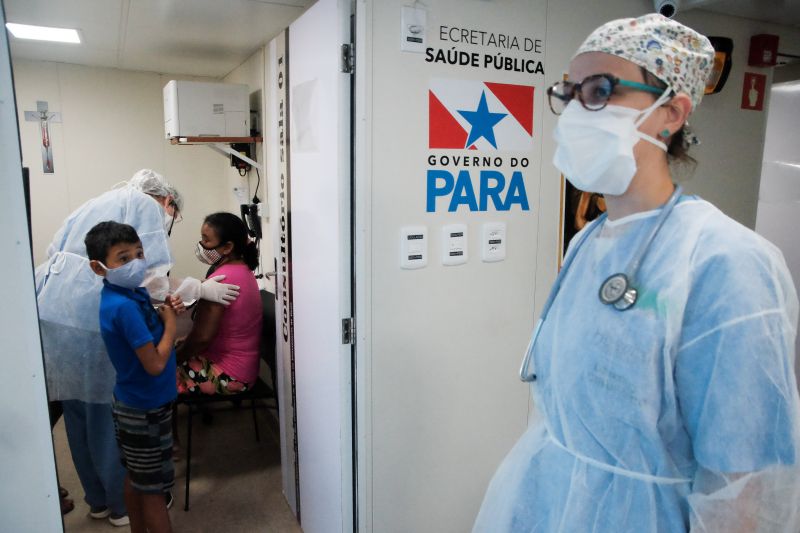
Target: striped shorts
144,437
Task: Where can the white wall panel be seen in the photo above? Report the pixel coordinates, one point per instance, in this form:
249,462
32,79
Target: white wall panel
29,492
252,74
445,342
320,261
779,195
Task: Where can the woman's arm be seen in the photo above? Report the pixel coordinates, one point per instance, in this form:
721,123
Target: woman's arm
204,330
737,392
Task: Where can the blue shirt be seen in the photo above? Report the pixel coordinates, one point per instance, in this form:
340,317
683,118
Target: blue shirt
128,322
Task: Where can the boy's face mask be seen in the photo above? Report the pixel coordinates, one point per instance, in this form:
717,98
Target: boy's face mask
130,275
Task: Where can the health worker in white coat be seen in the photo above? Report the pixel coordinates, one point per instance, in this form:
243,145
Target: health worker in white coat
79,372
662,367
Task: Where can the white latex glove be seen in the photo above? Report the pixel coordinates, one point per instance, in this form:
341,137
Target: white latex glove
221,293
157,287
188,290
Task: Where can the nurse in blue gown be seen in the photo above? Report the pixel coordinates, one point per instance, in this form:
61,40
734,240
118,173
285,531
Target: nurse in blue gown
678,412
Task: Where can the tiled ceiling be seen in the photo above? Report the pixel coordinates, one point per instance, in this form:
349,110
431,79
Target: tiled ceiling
191,37
783,12
212,37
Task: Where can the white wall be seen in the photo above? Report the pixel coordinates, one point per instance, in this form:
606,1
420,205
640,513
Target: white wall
779,195
729,158
252,73
112,125
442,345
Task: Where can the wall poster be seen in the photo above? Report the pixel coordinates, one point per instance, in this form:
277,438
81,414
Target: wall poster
481,120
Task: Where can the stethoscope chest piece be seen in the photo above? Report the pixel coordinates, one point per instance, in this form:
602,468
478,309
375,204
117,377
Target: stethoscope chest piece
613,288
616,291
627,300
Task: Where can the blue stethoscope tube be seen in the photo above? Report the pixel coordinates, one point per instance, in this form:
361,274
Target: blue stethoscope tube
617,290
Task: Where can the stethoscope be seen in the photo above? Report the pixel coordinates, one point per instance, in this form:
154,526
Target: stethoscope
617,290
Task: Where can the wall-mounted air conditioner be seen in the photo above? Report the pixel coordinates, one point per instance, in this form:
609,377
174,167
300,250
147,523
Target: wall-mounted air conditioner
203,109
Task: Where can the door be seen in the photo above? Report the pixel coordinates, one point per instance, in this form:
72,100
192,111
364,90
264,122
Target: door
777,217
29,491
319,175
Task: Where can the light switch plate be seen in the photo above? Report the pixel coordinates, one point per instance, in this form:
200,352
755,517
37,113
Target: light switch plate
413,27
413,247
454,244
493,242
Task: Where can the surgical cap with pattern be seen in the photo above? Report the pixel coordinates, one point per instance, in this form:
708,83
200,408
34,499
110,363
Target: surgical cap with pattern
674,53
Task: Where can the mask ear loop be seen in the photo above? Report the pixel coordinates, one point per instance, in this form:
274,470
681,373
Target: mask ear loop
646,112
172,223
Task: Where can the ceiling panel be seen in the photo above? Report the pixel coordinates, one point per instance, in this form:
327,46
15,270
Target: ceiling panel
192,37
202,37
97,21
212,37
783,12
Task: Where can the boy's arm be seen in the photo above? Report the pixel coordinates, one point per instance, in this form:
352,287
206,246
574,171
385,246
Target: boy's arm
154,358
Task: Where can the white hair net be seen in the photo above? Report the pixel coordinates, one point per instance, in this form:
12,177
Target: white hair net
151,182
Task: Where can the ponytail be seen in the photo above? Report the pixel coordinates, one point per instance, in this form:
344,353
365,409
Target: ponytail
250,255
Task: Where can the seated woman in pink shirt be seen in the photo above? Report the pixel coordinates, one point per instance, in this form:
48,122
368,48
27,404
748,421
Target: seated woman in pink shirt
221,353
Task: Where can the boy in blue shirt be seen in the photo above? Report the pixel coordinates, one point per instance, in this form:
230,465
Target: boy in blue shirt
139,341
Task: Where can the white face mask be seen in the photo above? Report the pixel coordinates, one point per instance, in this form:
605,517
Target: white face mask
130,275
169,221
595,148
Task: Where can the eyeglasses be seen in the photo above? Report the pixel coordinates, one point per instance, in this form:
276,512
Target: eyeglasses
176,213
593,92
176,217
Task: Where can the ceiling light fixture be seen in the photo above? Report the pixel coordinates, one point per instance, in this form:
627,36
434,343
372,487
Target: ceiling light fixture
43,33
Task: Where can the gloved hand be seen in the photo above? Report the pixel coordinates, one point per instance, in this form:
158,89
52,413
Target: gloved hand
188,290
221,293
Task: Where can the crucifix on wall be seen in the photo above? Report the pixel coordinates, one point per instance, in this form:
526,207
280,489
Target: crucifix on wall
44,116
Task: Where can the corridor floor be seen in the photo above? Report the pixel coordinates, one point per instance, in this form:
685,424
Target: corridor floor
236,481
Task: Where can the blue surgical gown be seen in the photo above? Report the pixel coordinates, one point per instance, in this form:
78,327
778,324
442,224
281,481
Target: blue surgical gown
680,414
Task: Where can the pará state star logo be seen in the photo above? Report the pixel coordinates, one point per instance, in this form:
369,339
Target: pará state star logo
484,116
